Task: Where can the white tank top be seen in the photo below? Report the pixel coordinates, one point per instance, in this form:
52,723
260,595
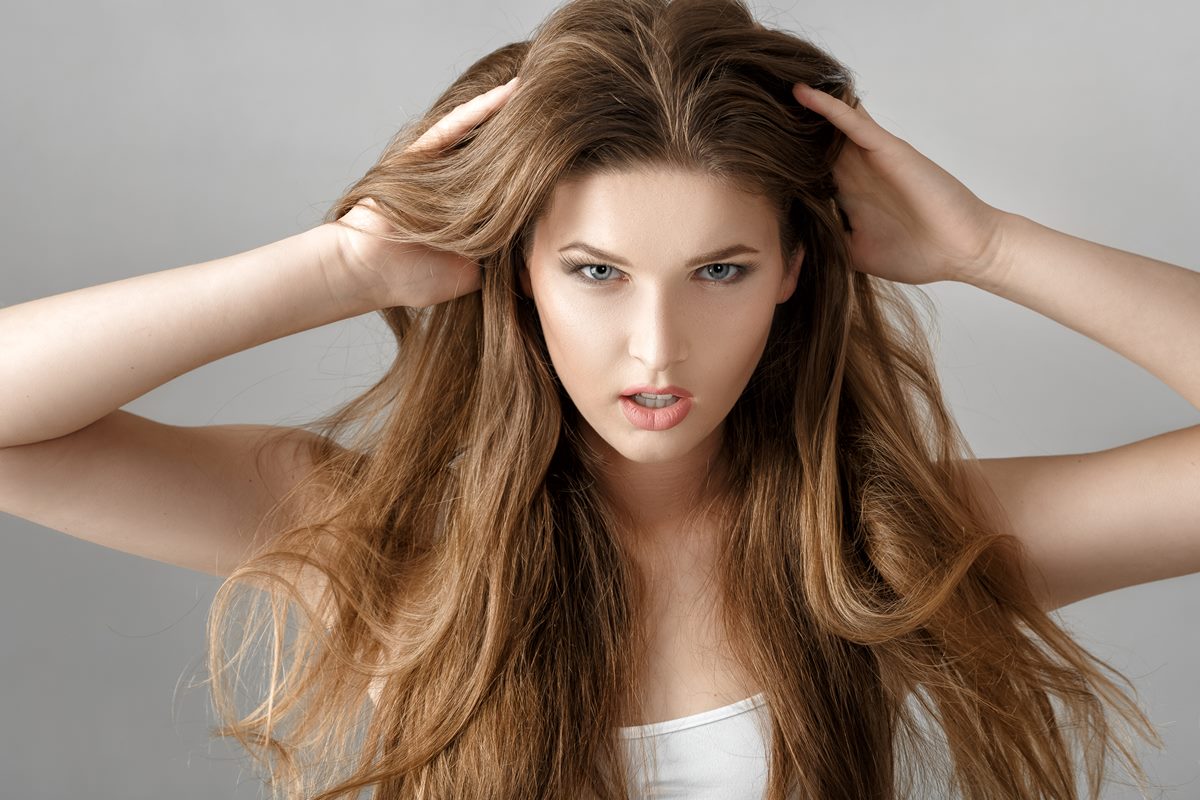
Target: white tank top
720,753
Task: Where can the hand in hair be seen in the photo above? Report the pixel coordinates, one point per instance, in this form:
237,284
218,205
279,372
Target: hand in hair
414,275
910,221
464,116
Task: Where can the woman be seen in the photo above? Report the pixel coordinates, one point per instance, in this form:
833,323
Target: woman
533,582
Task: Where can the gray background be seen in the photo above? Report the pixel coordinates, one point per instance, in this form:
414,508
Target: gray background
138,136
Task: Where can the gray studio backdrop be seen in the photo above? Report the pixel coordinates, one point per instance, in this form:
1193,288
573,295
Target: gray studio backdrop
139,136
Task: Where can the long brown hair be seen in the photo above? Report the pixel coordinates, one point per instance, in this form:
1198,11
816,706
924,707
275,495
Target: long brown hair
474,568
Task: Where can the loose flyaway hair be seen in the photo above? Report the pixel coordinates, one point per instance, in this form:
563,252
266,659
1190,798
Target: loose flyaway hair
470,568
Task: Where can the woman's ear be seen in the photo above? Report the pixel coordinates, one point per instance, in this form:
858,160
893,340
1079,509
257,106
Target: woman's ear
790,276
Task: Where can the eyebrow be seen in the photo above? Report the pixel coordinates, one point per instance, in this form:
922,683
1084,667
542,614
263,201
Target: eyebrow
703,258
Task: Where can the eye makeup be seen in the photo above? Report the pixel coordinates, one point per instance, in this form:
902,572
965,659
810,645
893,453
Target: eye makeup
576,268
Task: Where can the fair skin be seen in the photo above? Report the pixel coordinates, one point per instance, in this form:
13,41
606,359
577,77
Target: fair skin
659,319
656,313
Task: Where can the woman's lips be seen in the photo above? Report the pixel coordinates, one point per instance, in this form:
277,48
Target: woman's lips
655,419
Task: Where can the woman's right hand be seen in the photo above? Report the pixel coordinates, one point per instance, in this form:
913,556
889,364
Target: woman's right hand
410,274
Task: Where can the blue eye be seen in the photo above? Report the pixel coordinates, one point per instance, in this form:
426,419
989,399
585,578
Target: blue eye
578,269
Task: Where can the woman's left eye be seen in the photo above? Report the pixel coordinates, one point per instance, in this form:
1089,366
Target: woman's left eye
720,272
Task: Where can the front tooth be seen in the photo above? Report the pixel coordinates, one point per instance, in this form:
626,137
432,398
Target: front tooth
655,401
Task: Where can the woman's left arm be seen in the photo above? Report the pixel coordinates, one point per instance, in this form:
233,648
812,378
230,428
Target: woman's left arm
1146,310
1090,522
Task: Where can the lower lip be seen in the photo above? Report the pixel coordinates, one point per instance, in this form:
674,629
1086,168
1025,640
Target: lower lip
656,419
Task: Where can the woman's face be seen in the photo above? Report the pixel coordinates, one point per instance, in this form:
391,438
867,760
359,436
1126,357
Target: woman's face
653,312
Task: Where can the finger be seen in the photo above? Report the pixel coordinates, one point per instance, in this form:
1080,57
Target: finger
855,122
463,117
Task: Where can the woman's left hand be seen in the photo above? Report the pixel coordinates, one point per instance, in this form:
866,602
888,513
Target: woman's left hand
910,220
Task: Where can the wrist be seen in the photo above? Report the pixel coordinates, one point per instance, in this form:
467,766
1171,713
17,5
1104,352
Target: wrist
994,267
350,287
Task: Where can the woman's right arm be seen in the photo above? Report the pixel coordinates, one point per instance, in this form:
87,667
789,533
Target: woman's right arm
188,496
69,359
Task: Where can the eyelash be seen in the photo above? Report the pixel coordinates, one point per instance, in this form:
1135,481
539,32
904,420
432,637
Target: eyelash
742,271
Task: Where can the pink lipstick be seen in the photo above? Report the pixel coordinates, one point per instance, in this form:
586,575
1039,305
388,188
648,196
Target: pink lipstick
655,419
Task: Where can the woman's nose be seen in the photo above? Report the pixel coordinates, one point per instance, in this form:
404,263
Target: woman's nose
657,333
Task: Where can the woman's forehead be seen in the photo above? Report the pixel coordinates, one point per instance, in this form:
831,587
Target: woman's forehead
646,204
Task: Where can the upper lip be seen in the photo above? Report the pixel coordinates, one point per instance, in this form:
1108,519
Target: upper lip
675,390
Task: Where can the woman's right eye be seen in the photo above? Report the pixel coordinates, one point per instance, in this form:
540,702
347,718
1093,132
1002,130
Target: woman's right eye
599,277
579,270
